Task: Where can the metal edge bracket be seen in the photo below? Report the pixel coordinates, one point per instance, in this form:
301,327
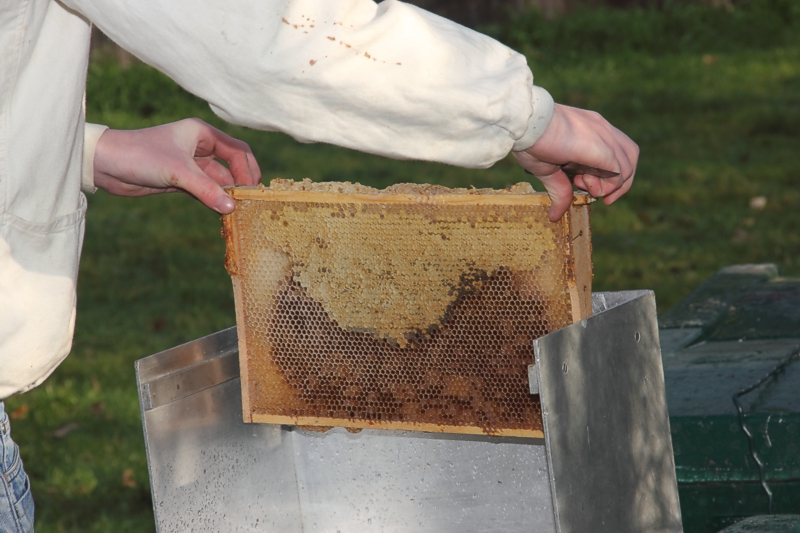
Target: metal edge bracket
187,369
533,378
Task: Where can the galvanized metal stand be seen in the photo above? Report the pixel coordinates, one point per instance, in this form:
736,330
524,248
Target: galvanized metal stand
605,464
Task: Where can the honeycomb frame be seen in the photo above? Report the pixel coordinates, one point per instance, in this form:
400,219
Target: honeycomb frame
295,325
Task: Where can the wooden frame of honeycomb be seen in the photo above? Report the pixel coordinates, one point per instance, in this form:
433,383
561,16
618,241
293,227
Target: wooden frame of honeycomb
401,311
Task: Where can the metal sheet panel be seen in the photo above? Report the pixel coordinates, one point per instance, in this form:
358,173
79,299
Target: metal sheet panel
177,385
606,423
185,356
210,472
603,301
393,481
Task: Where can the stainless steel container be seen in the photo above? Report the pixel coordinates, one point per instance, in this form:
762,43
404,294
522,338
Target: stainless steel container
605,464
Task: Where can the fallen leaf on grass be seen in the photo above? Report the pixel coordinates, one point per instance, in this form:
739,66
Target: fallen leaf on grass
20,412
644,217
127,478
65,430
740,237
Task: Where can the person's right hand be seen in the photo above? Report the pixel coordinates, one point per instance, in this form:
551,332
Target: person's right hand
580,136
180,156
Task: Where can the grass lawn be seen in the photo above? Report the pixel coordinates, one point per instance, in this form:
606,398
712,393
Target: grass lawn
718,122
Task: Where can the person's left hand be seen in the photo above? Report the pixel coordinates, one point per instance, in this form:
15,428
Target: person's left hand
180,156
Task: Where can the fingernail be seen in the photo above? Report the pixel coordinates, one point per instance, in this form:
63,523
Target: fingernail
224,204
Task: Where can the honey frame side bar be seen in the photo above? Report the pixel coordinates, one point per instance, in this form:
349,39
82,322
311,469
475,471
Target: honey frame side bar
232,262
580,250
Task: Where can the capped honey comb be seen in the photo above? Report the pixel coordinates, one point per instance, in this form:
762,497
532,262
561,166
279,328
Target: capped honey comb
411,308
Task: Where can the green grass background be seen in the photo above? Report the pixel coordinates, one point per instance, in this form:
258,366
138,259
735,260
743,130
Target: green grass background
711,96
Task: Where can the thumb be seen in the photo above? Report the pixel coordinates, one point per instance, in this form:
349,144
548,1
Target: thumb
193,180
559,189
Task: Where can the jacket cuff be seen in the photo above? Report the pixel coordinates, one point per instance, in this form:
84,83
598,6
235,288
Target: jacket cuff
543,106
91,135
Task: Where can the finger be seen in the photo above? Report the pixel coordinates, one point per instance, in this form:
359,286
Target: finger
215,170
534,166
591,184
627,144
627,153
255,171
236,153
603,187
559,189
611,198
600,154
189,177
611,187
632,151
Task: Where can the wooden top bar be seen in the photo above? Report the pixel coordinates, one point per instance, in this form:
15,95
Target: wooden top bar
259,193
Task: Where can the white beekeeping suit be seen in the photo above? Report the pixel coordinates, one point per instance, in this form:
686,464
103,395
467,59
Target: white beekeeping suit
389,79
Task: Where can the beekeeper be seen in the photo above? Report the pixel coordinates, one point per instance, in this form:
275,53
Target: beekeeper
389,79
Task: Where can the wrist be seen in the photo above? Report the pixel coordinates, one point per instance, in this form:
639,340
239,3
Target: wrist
552,139
543,107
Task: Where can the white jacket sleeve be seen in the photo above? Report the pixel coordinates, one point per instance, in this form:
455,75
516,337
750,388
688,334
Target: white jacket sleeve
389,78
91,136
